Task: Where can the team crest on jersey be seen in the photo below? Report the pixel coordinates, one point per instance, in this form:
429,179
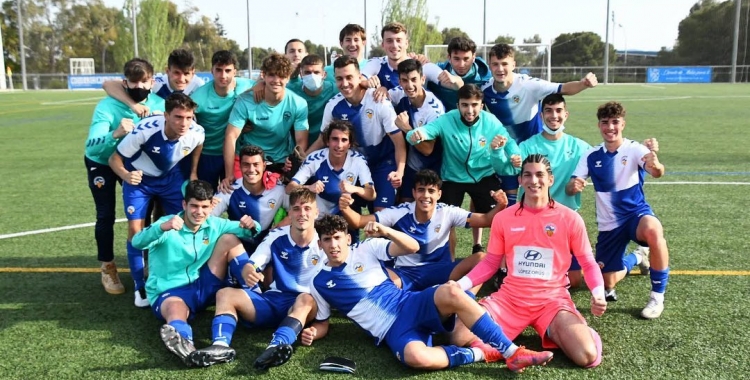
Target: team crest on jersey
437,228
314,259
601,264
349,177
420,123
550,229
242,204
131,210
287,115
482,142
205,238
624,160
185,151
369,113
99,182
359,267
272,204
516,99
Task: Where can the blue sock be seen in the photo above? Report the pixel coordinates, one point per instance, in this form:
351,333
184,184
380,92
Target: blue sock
287,332
489,332
183,328
135,261
236,265
458,355
222,328
659,280
629,261
511,199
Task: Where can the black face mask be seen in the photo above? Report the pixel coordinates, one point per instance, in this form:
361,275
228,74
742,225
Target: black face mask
138,94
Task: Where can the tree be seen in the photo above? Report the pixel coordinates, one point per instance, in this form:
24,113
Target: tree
579,49
529,55
705,36
506,39
412,13
449,34
89,31
9,30
158,33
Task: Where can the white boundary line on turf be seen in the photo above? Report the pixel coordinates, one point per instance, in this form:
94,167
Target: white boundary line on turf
69,101
43,231
696,183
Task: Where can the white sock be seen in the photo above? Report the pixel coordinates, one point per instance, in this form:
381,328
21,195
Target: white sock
220,343
478,354
510,351
638,258
659,297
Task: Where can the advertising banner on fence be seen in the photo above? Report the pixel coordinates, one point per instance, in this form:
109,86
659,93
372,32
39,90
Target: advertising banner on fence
694,74
94,81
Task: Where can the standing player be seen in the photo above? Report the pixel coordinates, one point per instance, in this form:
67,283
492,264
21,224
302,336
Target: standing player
268,123
416,107
537,237
352,39
294,253
295,51
353,282
184,272
464,63
180,77
215,102
430,224
617,168
148,160
380,141
112,121
316,90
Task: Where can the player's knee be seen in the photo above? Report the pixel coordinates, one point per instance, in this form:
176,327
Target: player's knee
449,295
226,296
588,357
229,241
418,358
305,300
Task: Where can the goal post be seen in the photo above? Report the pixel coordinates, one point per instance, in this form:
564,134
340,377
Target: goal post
531,58
82,66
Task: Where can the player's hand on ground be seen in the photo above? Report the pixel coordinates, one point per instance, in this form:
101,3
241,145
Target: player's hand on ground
590,80
450,81
651,161
395,179
515,160
375,229
308,336
251,275
226,185
317,187
402,121
598,306
345,200
141,110
247,222
381,94
498,142
416,137
134,178
578,185
125,127
500,198
175,223
259,91
651,144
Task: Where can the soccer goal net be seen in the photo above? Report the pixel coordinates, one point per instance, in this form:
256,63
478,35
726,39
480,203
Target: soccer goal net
82,66
531,59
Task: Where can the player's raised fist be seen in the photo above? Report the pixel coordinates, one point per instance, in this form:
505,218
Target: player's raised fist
416,137
515,160
651,144
395,179
501,199
578,184
498,142
134,178
590,80
175,223
375,229
402,121
345,200
125,127
316,187
247,222
651,160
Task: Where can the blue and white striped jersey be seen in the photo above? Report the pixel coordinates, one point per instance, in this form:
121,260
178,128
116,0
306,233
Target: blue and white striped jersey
293,266
431,109
162,88
262,208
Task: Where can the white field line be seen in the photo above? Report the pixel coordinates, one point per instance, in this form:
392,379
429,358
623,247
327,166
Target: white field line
70,101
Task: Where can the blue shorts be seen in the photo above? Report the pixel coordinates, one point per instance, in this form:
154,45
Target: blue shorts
197,295
611,245
211,169
417,320
386,194
271,307
136,198
425,276
574,264
508,182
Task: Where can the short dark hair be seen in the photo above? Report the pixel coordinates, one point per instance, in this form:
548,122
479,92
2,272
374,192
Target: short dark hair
252,150
310,60
458,44
277,64
553,99
301,194
470,91
286,46
393,27
330,224
224,58
501,51
610,110
179,100
181,59
350,29
138,69
428,177
343,126
198,190
409,65
344,61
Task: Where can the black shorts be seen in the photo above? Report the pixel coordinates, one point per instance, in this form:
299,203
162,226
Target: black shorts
453,193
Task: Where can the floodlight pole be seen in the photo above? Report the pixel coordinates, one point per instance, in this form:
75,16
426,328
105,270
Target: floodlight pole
484,24
365,26
134,7
738,8
606,48
21,46
2,64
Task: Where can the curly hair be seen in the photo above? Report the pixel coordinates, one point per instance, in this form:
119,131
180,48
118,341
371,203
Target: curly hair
330,224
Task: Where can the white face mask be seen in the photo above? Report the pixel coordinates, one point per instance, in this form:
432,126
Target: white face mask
312,82
552,132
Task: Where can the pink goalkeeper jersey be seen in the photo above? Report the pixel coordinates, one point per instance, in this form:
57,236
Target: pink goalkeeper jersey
538,245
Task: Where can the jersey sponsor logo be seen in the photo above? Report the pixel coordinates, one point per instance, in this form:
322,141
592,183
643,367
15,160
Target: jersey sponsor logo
369,113
284,255
157,150
412,229
482,142
532,255
330,284
99,182
384,199
325,179
493,101
387,77
533,262
314,259
598,164
437,228
624,160
344,117
271,204
131,209
242,204
516,99
549,229
359,267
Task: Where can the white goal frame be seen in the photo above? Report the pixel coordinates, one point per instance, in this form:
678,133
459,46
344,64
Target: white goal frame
82,66
483,50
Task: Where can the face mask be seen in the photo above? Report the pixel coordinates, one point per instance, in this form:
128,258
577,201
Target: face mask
552,132
138,94
312,82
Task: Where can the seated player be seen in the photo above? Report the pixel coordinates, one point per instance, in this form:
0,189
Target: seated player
184,272
617,168
296,257
430,223
537,237
353,282
258,194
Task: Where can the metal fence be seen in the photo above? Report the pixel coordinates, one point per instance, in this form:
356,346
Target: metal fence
617,74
